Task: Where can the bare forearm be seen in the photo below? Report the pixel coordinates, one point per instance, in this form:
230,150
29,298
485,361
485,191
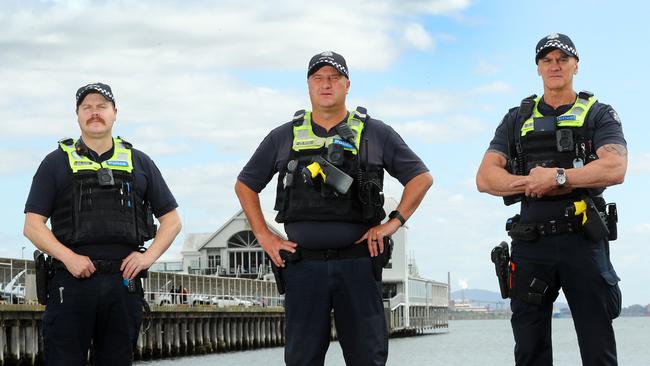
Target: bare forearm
413,193
607,171
42,237
493,178
250,203
170,226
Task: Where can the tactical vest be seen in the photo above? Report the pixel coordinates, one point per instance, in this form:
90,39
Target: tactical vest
564,141
317,201
94,212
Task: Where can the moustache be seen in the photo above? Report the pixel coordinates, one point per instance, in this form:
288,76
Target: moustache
95,119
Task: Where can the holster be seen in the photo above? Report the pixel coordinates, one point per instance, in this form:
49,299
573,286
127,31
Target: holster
381,261
43,268
287,257
524,232
595,228
500,256
279,279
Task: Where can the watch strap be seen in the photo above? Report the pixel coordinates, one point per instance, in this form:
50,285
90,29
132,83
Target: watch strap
396,215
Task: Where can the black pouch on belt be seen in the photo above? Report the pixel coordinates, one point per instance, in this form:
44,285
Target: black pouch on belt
595,228
381,261
42,266
524,232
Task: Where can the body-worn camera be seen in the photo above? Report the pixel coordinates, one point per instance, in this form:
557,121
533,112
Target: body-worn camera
335,154
564,138
105,177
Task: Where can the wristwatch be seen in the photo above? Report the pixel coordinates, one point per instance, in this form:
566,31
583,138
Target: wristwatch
560,177
396,215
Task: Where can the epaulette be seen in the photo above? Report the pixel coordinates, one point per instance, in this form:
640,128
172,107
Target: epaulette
66,141
526,106
126,144
361,113
585,94
298,117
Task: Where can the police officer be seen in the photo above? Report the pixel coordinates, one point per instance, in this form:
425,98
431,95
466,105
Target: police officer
557,153
333,232
99,194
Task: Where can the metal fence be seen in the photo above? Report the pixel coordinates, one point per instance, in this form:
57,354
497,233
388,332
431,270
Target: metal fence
161,288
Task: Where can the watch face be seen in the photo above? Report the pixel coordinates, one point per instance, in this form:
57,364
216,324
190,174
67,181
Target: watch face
560,179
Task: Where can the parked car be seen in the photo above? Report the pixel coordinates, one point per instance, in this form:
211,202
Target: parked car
229,300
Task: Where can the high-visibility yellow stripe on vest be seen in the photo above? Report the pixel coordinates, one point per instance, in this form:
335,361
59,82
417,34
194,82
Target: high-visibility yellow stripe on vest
121,159
574,117
305,139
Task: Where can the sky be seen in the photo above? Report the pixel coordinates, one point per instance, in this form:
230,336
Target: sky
198,84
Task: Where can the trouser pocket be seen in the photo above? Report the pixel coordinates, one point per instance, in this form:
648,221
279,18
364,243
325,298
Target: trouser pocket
614,298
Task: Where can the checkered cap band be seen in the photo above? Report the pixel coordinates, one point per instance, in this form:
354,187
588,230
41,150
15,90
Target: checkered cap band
101,88
328,58
555,41
557,44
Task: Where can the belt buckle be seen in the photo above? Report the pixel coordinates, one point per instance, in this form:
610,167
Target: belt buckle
331,254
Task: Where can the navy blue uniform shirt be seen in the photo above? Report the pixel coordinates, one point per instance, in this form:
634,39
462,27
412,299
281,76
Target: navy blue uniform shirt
54,176
386,149
607,130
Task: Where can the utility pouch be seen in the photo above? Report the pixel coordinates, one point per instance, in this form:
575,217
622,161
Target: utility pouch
500,256
612,220
595,227
381,261
524,232
371,194
537,293
279,279
287,257
43,269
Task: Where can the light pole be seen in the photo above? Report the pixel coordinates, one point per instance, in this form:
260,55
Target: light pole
22,252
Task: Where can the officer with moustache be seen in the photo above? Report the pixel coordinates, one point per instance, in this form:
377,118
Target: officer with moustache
99,194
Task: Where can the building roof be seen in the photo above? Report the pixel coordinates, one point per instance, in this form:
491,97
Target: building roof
195,242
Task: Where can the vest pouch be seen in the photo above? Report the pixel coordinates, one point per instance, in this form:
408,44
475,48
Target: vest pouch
146,226
545,124
371,194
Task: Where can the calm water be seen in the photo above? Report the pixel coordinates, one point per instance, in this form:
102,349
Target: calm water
469,342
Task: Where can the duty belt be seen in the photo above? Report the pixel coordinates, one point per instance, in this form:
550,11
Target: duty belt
101,265
350,252
535,230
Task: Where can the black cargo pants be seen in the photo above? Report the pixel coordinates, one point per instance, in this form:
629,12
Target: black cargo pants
98,308
583,270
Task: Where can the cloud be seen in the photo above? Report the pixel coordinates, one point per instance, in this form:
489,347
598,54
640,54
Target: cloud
639,163
453,128
485,67
641,229
495,87
416,36
435,7
171,63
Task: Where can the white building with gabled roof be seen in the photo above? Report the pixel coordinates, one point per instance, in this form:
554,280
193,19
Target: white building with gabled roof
232,250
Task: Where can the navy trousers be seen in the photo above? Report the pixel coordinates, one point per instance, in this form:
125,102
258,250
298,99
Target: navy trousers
313,289
583,270
98,308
